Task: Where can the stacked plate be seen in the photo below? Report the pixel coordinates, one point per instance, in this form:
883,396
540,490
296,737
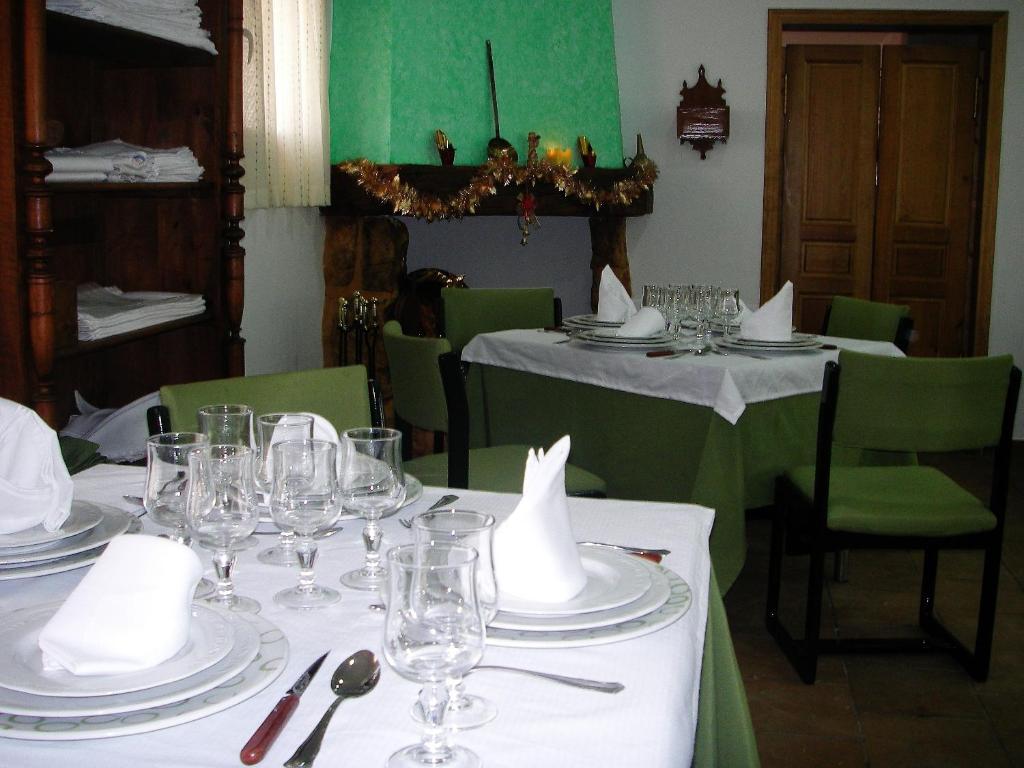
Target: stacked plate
588,322
228,658
625,597
799,342
77,543
607,338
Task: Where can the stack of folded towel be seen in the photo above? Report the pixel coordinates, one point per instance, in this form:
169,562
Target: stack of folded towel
119,161
177,20
109,311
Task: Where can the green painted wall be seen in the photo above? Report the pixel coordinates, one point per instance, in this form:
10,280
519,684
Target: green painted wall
402,68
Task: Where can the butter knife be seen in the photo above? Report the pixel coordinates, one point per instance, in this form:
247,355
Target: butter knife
256,748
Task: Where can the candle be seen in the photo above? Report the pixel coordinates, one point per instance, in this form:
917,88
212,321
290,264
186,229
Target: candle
558,155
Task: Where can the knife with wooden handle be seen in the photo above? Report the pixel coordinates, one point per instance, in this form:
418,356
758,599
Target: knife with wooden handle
263,738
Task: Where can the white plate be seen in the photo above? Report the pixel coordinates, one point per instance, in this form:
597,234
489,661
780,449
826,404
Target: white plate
796,340
613,579
243,650
413,493
21,664
113,522
651,600
768,348
84,516
590,321
47,567
604,339
678,603
257,675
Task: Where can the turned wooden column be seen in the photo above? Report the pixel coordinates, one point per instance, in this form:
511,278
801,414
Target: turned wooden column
233,196
608,247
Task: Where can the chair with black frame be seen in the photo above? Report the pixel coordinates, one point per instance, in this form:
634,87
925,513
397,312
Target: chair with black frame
429,392
872,320
469,311
924,405
342,395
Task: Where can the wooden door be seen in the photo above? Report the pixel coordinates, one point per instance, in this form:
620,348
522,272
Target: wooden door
926,171
831,116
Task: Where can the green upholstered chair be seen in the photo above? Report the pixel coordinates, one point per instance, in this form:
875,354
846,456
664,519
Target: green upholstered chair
925,405
344,396
872,320
425,397
469,311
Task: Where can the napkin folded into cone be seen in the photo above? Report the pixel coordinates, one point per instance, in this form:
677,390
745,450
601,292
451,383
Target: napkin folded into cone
647,322
535,552
773,321
35,487
131,611
614,304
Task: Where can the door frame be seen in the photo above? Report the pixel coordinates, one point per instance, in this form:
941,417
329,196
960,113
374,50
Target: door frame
992,22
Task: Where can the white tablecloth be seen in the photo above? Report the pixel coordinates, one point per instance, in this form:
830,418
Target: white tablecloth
651,722
725,383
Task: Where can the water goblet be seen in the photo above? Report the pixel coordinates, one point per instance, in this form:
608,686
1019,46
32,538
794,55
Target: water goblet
272,428
475,530
227,424
729,303
372,484
221,513
304,499
167,481
433,634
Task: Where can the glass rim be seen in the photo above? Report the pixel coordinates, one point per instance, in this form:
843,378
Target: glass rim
299,416
369,434
216,409
486,520
174,439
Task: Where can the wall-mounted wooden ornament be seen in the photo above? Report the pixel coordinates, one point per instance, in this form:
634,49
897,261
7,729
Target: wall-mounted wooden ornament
702,117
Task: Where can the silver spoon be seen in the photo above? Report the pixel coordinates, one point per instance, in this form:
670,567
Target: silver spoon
355,676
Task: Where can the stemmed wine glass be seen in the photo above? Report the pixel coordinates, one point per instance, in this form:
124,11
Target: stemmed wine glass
167,483
433,633
304,499
476,530
729,306
221,513
272,428
372,484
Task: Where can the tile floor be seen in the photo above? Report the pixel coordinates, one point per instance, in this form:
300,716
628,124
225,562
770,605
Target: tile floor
889,710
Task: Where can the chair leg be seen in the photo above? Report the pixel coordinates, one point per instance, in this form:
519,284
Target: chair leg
926,609
841,566
987,612
771,616
808,667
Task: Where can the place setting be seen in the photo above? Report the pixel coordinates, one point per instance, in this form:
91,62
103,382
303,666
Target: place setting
769,330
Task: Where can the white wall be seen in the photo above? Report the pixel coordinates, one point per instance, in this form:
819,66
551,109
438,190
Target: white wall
706,224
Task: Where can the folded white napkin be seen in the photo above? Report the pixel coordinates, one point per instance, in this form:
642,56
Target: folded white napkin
773,321
647,322
131,611
535,553
35,487
614,304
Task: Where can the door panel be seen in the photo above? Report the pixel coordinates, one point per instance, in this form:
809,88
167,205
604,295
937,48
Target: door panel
926,166
829,177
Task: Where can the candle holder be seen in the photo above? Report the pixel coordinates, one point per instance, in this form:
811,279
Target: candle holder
447,155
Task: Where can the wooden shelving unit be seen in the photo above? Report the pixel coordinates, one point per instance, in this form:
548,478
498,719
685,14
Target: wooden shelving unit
70,82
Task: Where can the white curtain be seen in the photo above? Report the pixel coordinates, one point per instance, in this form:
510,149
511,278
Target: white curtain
285,103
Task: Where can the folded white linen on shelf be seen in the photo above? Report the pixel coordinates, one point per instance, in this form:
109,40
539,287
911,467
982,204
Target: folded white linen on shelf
76,177
35,487
119,161
179,21
773,320
647,322
535,552
131,611
106,311
614,304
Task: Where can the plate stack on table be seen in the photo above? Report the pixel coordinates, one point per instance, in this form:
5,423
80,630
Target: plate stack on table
799,342
77,543
625,596
588,322
228,658
608,338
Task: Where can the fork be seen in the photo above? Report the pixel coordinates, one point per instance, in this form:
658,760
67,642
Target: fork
444,501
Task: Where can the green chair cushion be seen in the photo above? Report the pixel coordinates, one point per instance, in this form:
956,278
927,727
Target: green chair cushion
897,501
500,469
338,394
415,377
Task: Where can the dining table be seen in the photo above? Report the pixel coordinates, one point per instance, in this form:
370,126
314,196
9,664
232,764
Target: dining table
683,700
714,429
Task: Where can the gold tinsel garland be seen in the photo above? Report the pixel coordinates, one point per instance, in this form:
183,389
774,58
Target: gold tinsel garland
386,184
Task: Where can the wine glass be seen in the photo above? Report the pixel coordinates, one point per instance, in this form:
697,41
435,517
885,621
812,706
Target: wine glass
226,424
433,633
221,513
729,307
167,481
272,428
304,499
372,484
475,530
